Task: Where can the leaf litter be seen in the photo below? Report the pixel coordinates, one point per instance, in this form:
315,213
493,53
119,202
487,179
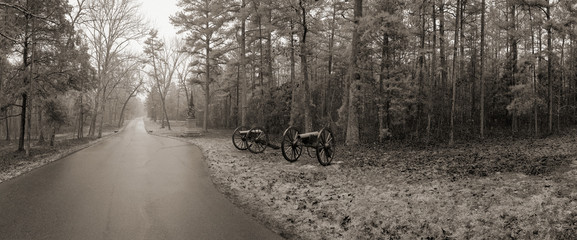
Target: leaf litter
521,189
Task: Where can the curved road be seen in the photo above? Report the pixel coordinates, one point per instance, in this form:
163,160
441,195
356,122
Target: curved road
131,186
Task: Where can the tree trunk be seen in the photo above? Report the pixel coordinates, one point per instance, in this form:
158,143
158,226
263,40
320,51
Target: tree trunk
207,86
121,118
462,46
513,60
473,77
540,60
352,137
549,68
421,70
561,84
7,125
52,136
80,130
332,40
102,109
443,55
326,110
31,88
455,74
1,81
534,76
29,116
228,110
308,124
482,102
295,84
23,122
40,127
92,129
433,74
242,71
177,104
163,102
261,68
237,99
383,109
270,58
25,51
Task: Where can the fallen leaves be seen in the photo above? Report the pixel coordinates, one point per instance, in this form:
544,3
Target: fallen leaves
519,189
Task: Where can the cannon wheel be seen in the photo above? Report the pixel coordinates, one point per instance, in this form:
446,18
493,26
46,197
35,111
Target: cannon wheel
239,140
325,147
290,145
257,140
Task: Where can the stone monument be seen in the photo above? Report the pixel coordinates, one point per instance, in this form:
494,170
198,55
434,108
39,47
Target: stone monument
191,130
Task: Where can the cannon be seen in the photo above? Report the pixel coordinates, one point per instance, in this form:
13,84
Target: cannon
254,139
322,141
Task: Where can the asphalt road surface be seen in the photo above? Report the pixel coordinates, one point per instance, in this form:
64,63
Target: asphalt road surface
131,186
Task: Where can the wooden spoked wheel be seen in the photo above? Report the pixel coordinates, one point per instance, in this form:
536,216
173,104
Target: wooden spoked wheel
325,147
290,145
238,139
257,140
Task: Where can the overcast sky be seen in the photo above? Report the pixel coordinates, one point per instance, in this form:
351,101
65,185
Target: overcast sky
157,13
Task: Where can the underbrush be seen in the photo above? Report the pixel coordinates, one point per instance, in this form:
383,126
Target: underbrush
530,157
14,163
9,156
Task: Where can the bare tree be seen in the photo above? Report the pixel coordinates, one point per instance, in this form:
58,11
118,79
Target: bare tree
183,73
75,17
110,26
164,62
134,88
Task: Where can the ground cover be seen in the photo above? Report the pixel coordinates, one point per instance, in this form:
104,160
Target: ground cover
520,189
13,163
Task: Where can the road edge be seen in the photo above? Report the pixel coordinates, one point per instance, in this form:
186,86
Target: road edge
269,223
26,167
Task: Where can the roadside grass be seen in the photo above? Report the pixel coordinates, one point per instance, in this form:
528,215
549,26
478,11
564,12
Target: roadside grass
519,189
10,156
14,163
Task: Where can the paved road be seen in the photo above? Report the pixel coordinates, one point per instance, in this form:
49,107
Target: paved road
132,186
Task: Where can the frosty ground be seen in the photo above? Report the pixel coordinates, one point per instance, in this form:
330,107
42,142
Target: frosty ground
501,189
520,189
13,163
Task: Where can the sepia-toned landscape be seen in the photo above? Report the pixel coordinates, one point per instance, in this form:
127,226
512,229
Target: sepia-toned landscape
296,119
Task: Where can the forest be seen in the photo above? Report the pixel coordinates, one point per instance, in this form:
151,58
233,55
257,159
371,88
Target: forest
431,70
439,71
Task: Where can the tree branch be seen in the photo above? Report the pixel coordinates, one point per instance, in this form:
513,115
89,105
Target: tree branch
10,116
3,108
8,37
25,11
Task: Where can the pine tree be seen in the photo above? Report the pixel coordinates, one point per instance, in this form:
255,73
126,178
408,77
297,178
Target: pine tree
203,21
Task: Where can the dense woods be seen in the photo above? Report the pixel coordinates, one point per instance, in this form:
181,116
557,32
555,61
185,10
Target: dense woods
372,70
432,70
